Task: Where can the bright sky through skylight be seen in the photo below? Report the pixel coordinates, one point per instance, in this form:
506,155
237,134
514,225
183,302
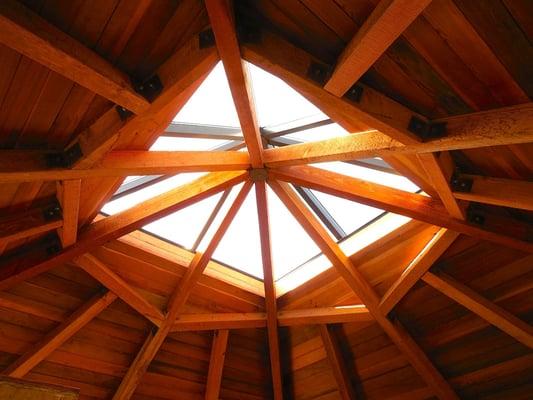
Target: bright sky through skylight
278,107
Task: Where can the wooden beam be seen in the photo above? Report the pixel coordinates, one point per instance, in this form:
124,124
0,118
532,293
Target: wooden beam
103,274
384,25
439,169
417,268
59,335
29,223
31,35
122,223
336,361
499,192
209,322
180,75
324,315
223,25
363,290
479,305
129,163
68,195
175,304
396,201
376,144
312,316
270,290
216,364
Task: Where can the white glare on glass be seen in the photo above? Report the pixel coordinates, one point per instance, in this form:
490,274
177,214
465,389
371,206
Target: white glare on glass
212,103
185,144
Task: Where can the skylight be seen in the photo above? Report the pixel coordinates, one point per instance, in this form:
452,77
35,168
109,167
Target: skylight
209,122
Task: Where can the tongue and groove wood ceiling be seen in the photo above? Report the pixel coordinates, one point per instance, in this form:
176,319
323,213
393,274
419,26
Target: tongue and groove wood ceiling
438,308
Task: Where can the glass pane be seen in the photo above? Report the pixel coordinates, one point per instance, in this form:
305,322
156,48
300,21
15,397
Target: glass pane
186,144
276,102
184,226
212,103
240,247
291,246
371,175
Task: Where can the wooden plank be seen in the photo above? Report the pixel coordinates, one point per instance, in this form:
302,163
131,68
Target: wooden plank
103,274
363,290
68,195
26,224
129,163
336,361
386,23
216,364
31,35
175,304
59,335
499,192
439,175
223,25
120,224
417,268
396,201
208,322
479,305
503,126
18,389
270,290
324,315
319,315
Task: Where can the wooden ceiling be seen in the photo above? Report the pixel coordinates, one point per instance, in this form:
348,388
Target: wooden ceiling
439,308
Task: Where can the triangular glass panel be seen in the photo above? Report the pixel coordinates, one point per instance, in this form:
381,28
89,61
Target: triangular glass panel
240,247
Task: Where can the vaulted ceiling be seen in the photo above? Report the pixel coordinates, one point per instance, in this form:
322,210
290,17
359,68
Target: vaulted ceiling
439,307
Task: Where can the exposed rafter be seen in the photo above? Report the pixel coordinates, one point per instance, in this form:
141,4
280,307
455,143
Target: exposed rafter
223,25
60,335
68,195
270,290
32,36
502,319
175,304
216,364
122,223
386,23
362,288
409,204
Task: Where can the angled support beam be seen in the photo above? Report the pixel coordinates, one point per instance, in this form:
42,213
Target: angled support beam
386,23
120,224
217,321
216,364
336,361
29,223
396,201
270,290
60,335
31,35
103,274
479,305
68,195
417,268
175,304
362,288
324,315
223,25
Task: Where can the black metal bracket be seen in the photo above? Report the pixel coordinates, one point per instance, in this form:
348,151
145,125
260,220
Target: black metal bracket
460,183
206,39
319,73
123,113
52,212
52,244
354,93
427,130
150,88
66,158
475,215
